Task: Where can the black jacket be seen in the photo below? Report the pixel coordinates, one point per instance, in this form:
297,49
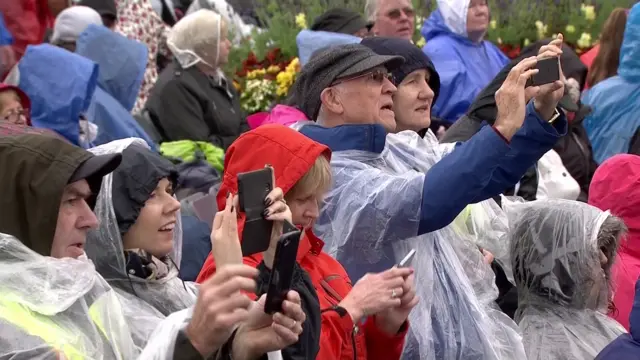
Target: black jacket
186,104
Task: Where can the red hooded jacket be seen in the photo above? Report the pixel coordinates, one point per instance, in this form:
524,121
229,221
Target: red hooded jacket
616,187
292,154
28,21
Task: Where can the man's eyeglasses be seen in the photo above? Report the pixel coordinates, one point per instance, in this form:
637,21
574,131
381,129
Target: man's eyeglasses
376,76
17,116
397,13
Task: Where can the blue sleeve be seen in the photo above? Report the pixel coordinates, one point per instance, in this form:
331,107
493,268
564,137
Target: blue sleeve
456,87
5,35
459,179
483,167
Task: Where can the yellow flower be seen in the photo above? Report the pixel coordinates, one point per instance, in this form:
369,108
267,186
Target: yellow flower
421,43
589,12
499,41
273,69
542,29
294,66
570,29
237,85
493,24
257,73
527,42
301,21
584,41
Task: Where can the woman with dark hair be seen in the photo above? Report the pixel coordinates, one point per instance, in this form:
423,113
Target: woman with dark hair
607,53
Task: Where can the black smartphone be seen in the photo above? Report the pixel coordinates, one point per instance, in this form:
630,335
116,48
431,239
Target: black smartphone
253,188
406,261
282,271
549,71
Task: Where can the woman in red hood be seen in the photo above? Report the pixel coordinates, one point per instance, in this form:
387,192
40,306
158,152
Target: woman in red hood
366,321
616,187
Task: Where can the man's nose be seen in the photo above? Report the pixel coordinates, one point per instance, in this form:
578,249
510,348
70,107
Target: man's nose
88,219
388,87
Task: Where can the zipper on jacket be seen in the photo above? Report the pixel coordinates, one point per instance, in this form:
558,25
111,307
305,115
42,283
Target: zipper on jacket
354,332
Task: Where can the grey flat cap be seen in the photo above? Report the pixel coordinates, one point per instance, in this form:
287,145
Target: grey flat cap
330,64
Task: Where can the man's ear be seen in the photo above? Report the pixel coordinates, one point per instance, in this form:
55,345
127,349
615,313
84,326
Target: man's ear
331,101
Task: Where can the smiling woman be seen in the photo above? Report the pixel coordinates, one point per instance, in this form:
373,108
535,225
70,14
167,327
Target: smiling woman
140,236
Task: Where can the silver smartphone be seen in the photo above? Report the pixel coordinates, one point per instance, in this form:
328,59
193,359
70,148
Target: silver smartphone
407,259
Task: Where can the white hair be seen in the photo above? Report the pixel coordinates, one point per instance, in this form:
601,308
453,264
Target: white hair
371,10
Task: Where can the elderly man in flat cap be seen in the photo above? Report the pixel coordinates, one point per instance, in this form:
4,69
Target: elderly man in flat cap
394,193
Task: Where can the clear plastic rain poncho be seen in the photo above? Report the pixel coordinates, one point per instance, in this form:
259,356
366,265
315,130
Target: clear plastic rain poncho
196,39
51,307
564,287
104,246
456,317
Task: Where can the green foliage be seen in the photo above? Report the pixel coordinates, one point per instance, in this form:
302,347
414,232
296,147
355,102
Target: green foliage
515,21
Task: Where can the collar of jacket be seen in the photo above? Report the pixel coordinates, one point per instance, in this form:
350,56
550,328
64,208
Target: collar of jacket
348,137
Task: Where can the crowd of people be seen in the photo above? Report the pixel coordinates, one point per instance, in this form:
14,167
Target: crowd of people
122,141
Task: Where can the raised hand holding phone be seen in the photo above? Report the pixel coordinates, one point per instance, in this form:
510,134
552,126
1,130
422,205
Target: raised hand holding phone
225,244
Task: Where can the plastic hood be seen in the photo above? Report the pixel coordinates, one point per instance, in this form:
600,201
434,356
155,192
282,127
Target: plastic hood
59,97
629,67
449,18
121,62
105,248
310,41
563,291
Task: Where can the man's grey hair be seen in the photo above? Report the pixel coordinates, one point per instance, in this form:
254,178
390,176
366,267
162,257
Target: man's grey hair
371,10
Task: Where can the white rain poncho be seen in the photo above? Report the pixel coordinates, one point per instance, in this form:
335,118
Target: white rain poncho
456,317
104,246
51,307
563,290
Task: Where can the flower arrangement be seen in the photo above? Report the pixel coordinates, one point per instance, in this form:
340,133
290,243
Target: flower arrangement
514,25
263,83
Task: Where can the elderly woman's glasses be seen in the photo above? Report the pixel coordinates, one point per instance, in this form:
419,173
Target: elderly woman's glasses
376,76
17,116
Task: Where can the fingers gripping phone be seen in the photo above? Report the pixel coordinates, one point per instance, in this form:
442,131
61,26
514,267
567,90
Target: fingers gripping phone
548,71
282,272
253,188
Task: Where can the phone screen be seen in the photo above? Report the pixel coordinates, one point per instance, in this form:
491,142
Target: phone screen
282,271
253,188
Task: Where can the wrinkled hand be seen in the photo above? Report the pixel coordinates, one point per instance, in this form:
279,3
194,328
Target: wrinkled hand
277,211
221,307
373,293
391,320
225,244
512,97
550,94
263,333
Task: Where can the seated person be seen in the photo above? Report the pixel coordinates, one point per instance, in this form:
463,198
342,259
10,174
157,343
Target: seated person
192,99
395,192
377,305
14,105
119,80
562,253
68,309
